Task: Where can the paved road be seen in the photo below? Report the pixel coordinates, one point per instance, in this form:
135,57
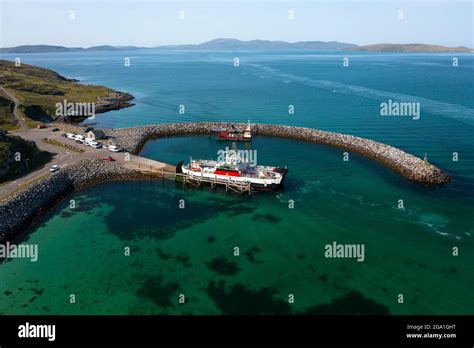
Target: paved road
22,123
65,157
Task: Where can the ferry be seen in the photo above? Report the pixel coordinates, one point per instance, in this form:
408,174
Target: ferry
234,171
234,134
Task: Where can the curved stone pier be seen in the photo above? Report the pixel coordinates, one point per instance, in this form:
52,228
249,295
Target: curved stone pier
411,167
23,207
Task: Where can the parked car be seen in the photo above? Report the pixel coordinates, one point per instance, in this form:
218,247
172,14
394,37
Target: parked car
95,145
108,158
71,136
54,168
114,148
79,138
64,135
54,129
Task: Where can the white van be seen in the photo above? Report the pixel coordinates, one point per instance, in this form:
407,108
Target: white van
95,144
114,148
71,136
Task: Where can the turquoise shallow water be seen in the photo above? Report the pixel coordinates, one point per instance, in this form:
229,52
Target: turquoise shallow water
190,251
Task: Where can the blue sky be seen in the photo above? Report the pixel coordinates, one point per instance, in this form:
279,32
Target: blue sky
152,23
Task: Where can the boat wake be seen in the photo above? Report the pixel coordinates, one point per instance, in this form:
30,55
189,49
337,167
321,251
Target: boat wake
452,111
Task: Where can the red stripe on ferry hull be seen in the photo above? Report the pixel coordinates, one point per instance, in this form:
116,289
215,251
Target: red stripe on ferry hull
227,173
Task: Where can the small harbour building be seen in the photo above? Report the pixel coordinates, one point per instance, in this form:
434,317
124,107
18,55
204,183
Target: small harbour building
96,134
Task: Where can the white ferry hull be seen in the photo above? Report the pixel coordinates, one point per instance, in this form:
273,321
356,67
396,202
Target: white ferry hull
255,182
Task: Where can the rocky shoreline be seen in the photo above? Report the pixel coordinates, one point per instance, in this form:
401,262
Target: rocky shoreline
19,210
114,101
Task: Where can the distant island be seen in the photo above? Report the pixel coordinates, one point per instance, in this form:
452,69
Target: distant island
52,49
217,44
409,48
234,44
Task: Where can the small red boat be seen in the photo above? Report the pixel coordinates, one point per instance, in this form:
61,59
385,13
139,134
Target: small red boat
235,135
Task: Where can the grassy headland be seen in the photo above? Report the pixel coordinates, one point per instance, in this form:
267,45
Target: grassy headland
38,90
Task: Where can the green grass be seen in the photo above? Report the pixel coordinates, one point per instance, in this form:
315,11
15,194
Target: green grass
4,150
38,90
7,121
66,146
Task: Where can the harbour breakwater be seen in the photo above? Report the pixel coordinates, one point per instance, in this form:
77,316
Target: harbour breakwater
24,207
409,166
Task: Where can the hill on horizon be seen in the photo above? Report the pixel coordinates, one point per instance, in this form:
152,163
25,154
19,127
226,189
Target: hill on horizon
416,47
235,44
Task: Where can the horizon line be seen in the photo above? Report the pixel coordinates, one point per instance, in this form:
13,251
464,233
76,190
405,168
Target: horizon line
231,38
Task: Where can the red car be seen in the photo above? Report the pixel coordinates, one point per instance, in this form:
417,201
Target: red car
108,158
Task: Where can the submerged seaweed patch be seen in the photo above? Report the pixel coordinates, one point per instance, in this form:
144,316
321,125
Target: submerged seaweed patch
238,210
323,278
82,203
122,221
354,303
66,214
86,203
222,266
183,259
163,255
38,292
157,291
267,218
251,255
241,300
